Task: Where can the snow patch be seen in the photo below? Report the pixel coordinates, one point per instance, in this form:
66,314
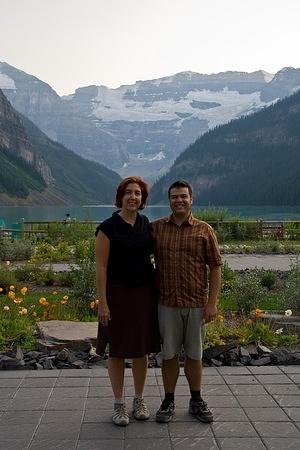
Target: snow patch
6,82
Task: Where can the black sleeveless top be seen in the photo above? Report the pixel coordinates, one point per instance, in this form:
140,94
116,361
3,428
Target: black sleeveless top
130,249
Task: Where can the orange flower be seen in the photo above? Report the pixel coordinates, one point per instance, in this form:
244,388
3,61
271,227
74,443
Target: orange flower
23,290
18,300
34,313
64,302
1,289
92,305
43,301
11,295
249,322
259,312
23,311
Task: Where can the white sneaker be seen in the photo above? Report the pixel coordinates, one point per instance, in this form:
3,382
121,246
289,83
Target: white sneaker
140,410
120,415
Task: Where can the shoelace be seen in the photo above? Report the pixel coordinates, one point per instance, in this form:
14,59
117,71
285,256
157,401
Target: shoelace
121,411
140,405
165,405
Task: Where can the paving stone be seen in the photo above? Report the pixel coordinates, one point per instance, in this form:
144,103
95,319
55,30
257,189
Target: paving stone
66,392
251,401
68,431
10,382
276,429
98,431
61,404
146,430
266,415
101,381
216,389
210,371
288,400
273,379
54,373
42,393
229,415
222,401
82,373
282,443
224,370
7,392
212,379
52,445
27,404
245,389
4,404
233,429
290,369
265,370
72,382
98,415
61,416
240,379
103,444
14,444
293,413
17,431
38,382
201,443
295,377
153,403
152,391
22,417
284,389
235,443
99,403
187,429
13,373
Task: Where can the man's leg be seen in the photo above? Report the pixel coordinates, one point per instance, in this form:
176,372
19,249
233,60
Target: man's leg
193,373
170,374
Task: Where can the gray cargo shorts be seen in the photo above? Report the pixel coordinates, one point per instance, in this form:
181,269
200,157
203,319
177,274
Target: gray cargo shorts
181,327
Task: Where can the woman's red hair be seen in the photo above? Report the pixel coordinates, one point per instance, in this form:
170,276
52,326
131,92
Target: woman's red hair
122,187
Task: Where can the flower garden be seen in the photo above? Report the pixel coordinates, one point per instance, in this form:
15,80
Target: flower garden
31,291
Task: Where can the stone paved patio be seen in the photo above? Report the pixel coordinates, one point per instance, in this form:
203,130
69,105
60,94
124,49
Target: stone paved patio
254,407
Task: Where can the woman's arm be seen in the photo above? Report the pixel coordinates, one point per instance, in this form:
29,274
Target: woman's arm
102,254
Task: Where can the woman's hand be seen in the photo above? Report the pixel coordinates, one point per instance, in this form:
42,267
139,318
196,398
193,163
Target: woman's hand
103,312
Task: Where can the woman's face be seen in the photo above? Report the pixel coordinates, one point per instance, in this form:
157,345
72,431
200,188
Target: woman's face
132,197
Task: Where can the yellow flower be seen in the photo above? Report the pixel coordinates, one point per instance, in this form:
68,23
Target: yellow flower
249,322
23,290
54,292
12,288
6,308
64,302
65,297
34,313
220,318
1,289
18,300
43,301
11,295
23,311
92,305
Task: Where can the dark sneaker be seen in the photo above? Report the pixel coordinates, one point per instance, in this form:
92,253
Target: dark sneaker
165,412
200,410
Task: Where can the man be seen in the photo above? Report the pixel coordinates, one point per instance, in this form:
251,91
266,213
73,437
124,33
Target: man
184,247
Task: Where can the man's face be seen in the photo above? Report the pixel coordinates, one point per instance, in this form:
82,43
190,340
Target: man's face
180,201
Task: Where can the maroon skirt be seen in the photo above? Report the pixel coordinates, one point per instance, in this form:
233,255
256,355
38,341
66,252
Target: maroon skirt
132,331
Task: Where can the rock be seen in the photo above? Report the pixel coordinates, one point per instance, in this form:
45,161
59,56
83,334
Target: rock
216,362
263,361
64,333
214,352
279,356
47,364
262,350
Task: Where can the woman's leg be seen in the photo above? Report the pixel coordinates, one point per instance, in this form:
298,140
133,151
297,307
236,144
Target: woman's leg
139,372
116,375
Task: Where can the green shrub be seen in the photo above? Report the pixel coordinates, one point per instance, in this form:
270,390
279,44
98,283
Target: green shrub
28,272
228,278
7,278
268,279
65,279
291,296
248,292
16,250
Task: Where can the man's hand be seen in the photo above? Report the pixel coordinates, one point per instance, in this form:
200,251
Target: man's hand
210,312
103,313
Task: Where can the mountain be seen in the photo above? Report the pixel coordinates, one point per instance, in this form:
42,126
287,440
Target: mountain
142,128
253,160
37,170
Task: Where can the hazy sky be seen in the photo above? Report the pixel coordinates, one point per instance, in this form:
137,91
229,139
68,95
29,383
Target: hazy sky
72,43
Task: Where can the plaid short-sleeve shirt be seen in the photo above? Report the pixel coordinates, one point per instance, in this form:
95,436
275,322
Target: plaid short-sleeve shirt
182,254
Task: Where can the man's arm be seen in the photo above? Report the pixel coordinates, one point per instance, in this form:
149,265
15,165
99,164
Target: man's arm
211,310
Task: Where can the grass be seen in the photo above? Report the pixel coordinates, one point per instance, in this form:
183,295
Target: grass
271,301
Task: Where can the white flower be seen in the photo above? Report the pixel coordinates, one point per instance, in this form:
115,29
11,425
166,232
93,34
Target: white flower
288,313
7,263
279,331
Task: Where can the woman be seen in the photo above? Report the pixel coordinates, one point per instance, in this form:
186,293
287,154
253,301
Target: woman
127,297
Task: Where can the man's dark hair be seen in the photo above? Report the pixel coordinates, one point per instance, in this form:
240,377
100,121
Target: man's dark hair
181,184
